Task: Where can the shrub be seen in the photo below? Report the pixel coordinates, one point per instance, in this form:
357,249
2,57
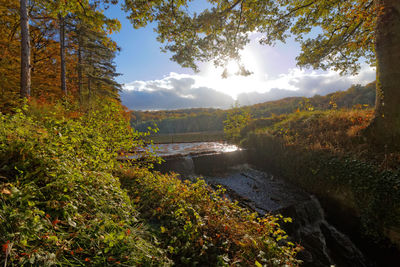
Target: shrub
198,226
236,119
60,203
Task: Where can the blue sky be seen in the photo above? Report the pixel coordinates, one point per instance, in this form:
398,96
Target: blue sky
151,81
140,57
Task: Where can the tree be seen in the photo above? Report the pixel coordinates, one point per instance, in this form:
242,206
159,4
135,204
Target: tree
10,51
95,52
25,51
236,119
59,11
61,20
38,39
349,32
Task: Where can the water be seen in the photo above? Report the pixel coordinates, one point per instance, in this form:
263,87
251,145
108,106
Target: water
190,148
324,244
182,149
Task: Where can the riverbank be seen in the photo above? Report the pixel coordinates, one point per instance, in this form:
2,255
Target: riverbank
323,153
62,203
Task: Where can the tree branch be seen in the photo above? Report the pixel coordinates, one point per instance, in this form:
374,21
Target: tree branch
229,9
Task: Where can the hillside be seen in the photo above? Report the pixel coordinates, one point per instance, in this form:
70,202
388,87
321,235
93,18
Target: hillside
67,198
202,120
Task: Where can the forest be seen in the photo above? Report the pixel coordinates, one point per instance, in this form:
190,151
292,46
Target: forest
203,120
77,43
66,198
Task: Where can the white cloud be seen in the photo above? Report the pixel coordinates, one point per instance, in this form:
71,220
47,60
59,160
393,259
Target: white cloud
172,92
210,90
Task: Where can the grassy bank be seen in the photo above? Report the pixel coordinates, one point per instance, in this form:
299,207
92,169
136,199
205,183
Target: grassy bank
62,202
324,152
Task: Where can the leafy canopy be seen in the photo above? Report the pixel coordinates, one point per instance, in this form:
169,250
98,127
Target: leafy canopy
332,33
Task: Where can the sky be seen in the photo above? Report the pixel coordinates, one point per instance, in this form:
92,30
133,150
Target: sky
151,81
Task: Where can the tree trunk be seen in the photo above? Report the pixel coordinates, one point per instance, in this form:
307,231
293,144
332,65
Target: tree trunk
25,90
89,75
89,88
62,55
384,130
80,67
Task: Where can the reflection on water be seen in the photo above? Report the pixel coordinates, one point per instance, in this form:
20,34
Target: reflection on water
187,148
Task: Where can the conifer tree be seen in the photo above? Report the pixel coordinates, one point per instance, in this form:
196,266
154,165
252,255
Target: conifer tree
96,52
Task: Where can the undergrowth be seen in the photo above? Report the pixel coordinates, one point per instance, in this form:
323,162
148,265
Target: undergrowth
334,131
61,201
325,153
60,204
200,227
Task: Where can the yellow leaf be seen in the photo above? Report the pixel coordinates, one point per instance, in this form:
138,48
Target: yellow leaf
258,264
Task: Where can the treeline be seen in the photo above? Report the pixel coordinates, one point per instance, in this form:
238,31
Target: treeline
198,120
140,116
357,96
70,52
179,121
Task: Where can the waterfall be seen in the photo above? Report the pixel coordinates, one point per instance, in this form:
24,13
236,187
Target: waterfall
188,166
324,244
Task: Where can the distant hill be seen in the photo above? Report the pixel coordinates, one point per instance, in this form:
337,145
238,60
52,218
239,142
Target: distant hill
209,119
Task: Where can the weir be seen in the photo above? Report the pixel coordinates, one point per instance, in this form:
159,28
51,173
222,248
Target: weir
324,245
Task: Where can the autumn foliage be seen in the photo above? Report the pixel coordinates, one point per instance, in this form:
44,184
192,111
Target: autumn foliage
87,76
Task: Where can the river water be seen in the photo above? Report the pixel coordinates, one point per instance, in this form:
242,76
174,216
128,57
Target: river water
198,148
227,165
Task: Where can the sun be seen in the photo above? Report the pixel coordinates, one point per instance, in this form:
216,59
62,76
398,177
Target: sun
232,83
232,67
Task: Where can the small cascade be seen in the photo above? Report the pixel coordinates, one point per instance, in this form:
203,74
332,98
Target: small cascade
324,244
188,166
181,164
204,163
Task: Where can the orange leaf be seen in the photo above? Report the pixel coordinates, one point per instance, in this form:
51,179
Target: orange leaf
5,191
5,246
128,232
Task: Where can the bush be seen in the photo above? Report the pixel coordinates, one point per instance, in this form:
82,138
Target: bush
198,226
60,203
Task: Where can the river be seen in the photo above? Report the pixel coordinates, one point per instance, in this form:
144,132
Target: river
228,166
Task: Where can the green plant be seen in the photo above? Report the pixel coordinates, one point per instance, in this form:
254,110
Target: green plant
237,118
199,226
59,202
